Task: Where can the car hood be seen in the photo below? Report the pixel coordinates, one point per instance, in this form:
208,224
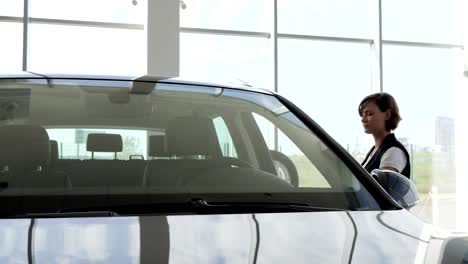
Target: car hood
317,237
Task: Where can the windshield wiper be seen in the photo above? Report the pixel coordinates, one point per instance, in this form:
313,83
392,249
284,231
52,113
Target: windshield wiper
66,214
263,206
198,206
188,205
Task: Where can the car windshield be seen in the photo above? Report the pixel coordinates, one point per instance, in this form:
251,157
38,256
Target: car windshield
173,141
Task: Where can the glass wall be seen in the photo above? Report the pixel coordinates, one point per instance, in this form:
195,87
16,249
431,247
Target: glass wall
338,18
116,11
11,8
431,21
11,46
423,69
228,15
328,80
87,37
422,80
224,58
87,50
11,28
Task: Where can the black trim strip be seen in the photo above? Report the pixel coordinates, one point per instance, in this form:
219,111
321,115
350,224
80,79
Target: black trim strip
257,243
354,237
30,240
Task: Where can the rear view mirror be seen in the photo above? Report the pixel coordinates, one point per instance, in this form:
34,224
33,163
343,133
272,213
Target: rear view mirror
402,189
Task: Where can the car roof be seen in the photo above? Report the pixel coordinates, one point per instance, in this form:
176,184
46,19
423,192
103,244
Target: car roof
147,78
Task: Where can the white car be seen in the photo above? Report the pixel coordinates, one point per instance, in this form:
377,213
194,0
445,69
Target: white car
98,169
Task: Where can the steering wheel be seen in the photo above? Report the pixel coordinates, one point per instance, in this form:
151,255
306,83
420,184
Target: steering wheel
285,168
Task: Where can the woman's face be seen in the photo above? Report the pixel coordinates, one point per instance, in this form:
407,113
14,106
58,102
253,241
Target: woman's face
373,120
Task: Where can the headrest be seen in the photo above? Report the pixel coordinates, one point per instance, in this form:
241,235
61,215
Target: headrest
156,146
192,136
104,142
53,150
24,143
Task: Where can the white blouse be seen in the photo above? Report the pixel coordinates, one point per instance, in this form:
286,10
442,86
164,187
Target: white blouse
393,157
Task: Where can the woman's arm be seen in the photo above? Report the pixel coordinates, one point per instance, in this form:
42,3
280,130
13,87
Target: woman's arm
393,159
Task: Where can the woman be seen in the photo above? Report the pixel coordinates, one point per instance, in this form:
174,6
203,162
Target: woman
379,116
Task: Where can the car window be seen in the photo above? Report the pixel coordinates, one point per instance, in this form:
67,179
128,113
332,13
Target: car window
179,142
71,143
289,160
224,138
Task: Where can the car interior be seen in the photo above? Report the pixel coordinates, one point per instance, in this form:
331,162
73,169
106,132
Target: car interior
187,154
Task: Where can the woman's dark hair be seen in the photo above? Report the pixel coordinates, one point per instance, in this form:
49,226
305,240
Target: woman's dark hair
384,101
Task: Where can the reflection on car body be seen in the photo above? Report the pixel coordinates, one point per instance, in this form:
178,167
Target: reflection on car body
119,170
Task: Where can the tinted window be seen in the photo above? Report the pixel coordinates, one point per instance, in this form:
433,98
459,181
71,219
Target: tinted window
224,138
97,137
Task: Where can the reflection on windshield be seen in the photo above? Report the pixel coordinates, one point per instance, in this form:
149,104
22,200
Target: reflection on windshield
82,138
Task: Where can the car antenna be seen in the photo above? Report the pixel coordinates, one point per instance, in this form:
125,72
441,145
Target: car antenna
244,83
49,81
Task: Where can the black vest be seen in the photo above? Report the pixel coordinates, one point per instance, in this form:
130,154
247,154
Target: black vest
388,142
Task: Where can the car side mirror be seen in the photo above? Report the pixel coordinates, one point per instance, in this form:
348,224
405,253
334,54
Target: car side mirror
402,189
